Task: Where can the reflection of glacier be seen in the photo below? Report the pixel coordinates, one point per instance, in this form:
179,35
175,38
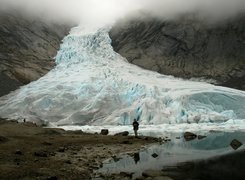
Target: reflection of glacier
172,153
91,84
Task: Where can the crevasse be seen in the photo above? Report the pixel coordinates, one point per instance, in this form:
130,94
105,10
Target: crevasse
93,85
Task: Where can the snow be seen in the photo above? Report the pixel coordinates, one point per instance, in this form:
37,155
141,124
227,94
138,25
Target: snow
94,86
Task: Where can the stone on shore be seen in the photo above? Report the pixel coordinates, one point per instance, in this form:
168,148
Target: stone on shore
104,132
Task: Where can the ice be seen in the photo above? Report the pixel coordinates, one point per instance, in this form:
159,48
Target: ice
93,85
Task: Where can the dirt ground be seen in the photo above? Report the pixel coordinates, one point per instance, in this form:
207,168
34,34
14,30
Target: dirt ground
31,152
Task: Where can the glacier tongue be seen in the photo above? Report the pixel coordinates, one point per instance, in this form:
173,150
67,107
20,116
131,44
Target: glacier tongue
93,85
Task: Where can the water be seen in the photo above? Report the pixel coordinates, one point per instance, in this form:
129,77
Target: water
158,157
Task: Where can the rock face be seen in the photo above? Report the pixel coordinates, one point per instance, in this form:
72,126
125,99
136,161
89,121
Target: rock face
27,49
185,47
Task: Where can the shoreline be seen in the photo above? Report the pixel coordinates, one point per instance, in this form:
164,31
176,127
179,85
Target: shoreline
28,151
31,152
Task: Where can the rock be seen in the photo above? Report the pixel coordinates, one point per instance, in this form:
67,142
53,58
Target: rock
116,159
41,154
154,155
104,131
184,46
27,47
140,178
13,121
162,178
47,143
52,178
19,152
126,142
201,137
124,133
152,173
189,136
61,149
67,162
235,144
3,139
126,174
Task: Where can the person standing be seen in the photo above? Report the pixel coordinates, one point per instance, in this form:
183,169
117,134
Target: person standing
136,127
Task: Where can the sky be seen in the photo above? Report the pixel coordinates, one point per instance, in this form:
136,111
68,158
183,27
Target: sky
108,11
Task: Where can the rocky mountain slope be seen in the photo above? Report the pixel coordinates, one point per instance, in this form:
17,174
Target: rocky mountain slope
27,48
185,47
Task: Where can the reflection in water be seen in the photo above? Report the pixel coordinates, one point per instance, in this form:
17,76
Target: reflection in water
136,157
171,153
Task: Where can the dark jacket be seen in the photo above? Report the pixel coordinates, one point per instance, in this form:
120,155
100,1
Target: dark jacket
136,125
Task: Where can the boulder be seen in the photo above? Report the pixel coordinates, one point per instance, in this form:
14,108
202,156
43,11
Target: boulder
18,152
124,133
104,132
189,136
235,144
201,137
154,155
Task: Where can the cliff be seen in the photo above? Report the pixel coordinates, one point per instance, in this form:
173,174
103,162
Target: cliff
27,48
185,47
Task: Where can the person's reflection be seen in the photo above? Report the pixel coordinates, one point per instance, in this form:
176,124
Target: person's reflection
136,157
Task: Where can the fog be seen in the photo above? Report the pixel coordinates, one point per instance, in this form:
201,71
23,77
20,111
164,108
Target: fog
107,11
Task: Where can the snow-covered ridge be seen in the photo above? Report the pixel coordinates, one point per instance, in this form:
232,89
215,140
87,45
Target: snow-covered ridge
93,85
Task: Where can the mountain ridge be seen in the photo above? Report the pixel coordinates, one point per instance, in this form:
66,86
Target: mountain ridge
185,47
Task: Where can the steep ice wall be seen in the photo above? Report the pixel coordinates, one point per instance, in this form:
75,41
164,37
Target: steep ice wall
93,85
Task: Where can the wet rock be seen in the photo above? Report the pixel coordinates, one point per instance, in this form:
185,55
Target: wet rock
116,159
235,144
189,136
124,133
18,152
201,137
104,132
152,173
154,155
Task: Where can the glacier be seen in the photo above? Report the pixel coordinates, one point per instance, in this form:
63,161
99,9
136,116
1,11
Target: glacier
92,85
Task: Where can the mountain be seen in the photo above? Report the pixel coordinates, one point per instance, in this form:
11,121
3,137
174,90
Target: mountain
185,47
27,48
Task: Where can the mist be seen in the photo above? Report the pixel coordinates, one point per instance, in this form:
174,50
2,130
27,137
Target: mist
99,12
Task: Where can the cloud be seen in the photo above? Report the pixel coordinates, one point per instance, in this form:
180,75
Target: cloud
107,11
